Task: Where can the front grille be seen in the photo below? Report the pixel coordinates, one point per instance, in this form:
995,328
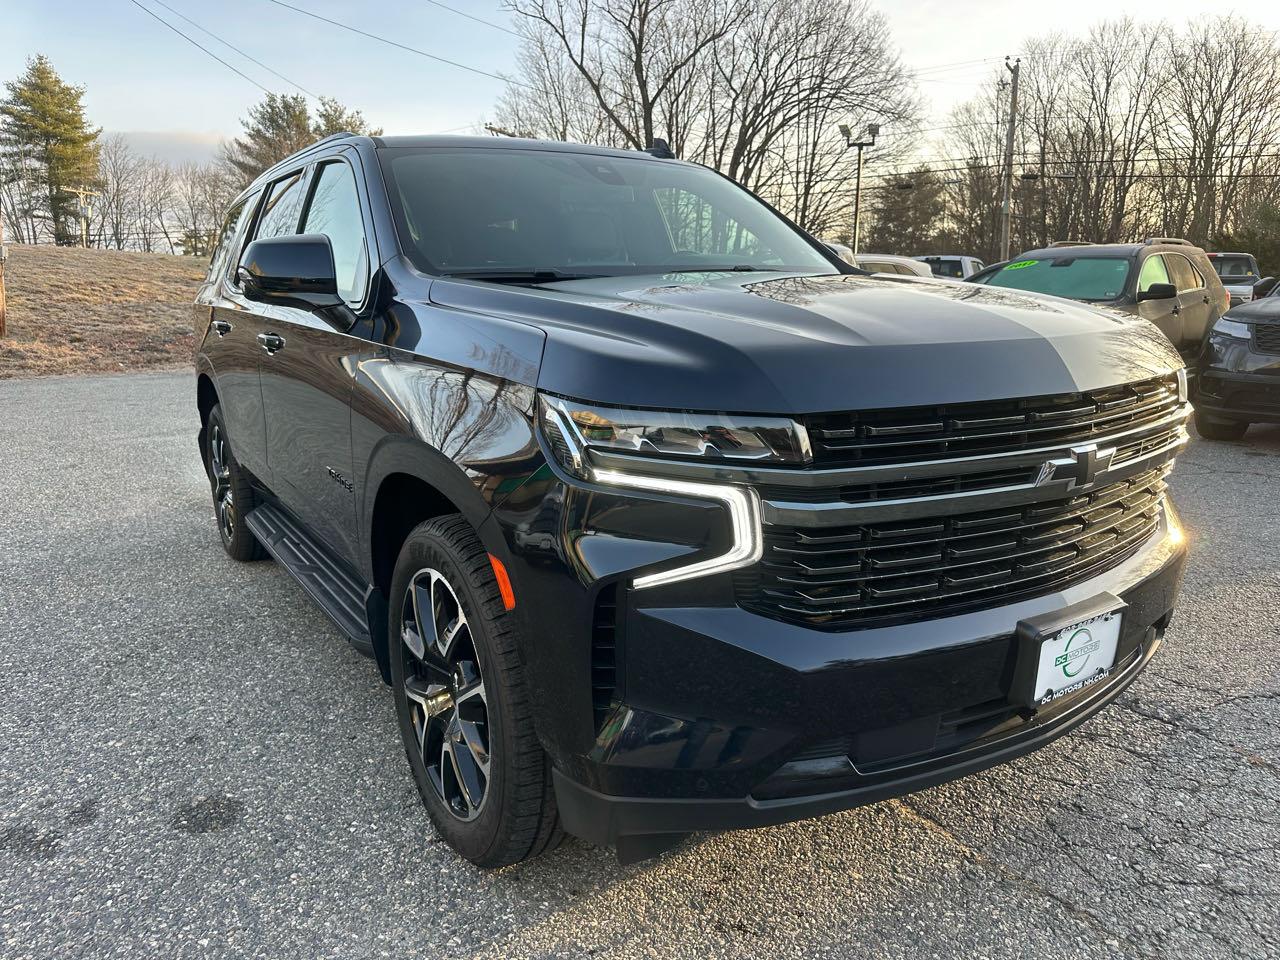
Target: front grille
892,572
1266,337
912,434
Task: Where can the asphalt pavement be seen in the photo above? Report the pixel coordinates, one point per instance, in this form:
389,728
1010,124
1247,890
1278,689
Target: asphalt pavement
193,763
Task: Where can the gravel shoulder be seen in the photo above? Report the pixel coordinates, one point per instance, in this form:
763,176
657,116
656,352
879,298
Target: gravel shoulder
193,763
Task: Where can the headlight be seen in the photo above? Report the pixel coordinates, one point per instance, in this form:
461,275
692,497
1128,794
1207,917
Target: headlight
1232,328
571,427
663,433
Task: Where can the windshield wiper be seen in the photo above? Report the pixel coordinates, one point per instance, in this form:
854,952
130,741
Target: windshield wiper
503,275
735,268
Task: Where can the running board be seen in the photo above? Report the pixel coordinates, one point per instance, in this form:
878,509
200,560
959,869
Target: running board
325,579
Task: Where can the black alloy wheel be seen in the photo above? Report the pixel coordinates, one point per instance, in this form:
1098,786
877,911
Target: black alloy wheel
462,702
233,496
444,686
224,502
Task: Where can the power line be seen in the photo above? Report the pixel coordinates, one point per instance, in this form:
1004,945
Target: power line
395,43
196,43
232,46
487,23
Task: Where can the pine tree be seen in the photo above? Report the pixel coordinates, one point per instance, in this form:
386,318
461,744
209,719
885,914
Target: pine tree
908,212
281,125
46,147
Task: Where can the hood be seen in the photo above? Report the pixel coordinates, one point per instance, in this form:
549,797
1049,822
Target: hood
785,343
1266,310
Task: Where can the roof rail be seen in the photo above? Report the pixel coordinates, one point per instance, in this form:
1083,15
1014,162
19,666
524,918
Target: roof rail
1070,243
340,135
1177,240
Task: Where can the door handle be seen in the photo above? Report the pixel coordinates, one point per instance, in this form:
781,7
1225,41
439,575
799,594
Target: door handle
271,342
221,327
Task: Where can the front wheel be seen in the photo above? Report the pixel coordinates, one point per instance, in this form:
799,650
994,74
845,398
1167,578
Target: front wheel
1214,429
462,703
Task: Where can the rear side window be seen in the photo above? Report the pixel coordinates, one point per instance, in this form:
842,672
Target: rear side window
282,209
1185,276
335,212
230,229
1153,271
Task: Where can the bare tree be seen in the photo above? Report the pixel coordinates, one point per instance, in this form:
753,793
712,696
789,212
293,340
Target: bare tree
754,90
119,179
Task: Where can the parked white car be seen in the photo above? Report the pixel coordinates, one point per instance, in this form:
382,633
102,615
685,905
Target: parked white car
953,266
889,263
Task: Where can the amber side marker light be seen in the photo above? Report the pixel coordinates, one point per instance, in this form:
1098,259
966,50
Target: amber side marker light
504,582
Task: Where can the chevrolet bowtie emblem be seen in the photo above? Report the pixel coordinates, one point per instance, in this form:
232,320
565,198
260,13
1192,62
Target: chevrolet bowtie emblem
1079,469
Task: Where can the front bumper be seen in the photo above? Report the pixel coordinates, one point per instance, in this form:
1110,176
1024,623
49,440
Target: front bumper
719,718
1253,397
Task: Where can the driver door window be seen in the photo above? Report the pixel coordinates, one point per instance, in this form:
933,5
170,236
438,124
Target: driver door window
335,212
1153,271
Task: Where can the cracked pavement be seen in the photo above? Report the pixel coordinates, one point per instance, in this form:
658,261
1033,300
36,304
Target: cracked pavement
193,763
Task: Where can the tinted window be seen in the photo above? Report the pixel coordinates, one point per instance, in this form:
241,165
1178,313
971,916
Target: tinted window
492,210
878,266
230,229
1184,274
1077,278
280,213
947,268
335,212
1153,271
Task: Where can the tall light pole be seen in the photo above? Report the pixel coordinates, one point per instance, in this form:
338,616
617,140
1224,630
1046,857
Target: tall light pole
873,130
1006,211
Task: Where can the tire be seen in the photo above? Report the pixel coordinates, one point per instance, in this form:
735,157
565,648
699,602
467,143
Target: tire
233,497
1212,429
462,702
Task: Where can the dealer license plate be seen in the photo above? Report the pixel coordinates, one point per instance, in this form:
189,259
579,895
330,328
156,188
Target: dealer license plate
1076,656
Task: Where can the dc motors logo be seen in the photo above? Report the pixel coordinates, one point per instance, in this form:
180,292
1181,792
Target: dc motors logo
1080,647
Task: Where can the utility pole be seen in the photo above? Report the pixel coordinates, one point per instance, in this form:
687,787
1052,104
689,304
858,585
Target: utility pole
1005,212
873,131
84,209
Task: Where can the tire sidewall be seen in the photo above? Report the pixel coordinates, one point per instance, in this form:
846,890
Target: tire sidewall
243,545
473,839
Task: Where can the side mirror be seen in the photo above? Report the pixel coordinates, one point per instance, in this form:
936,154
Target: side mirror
1264,287
1158,291
292,271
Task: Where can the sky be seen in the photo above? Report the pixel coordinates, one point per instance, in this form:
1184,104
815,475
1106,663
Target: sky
178,102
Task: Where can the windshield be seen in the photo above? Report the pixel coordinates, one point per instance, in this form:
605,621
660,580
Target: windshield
544,215
1076,278
1240,268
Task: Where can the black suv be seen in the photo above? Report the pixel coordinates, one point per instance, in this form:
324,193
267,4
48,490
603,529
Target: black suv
1165,280
1240,383
655,515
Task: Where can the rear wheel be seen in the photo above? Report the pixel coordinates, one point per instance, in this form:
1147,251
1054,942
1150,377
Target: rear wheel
462,703
233,497
1212,428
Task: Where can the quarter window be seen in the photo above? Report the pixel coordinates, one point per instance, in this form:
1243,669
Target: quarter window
280,213
1153,271
335,212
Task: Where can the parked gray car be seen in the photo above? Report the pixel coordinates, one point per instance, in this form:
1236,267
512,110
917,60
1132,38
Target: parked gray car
1169,282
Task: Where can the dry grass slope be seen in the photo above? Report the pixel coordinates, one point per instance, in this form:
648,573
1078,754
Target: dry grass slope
96,311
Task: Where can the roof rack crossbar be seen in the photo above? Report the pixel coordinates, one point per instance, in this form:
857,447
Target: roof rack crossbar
1185,243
